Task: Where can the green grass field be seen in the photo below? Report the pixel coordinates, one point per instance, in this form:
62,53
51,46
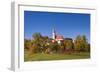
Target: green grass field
46,57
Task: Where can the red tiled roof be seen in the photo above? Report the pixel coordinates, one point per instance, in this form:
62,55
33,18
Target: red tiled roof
59,37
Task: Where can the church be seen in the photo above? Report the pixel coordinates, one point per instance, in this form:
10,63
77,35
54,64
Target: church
56,37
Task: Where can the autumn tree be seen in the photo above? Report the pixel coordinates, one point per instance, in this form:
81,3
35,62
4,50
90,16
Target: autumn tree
41,42
54,47
68,44
27,44
81,43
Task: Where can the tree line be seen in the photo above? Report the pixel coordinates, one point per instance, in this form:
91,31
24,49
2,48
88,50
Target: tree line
44,44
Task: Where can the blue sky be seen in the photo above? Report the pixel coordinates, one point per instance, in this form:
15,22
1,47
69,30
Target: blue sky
67,24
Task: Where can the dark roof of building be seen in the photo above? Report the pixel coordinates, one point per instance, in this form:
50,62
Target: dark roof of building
68,39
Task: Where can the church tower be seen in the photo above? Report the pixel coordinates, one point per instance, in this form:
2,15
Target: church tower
53,34
56,38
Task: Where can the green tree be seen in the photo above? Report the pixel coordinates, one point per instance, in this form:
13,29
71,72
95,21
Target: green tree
41,41
54,47
81,43
78,43
68,44
37,36
27,44
61,47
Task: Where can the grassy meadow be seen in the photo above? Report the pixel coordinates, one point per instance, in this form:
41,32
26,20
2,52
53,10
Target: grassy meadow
43,57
